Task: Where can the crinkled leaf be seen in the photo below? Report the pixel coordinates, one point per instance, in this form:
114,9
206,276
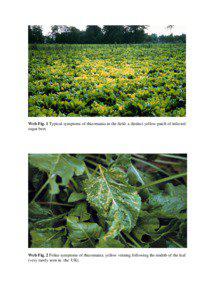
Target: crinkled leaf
82,234
114,200
48,237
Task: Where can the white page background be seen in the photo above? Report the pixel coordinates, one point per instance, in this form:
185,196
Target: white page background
120,278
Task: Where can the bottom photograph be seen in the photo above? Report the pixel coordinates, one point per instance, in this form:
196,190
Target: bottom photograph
107,200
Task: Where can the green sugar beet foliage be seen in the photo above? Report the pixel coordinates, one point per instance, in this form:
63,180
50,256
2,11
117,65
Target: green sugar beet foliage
107,80
107,201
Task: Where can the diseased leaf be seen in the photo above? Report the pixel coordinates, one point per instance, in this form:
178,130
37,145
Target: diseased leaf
48,237
82,234
114,200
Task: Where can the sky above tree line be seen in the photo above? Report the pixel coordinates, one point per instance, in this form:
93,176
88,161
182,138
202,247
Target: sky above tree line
159,30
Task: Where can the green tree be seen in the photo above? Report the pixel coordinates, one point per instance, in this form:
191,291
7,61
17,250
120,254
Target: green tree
93,34
113,34
135,33
35,34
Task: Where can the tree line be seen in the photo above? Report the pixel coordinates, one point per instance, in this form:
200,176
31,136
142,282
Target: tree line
108,34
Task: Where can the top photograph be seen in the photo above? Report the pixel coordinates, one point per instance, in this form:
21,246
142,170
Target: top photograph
106,71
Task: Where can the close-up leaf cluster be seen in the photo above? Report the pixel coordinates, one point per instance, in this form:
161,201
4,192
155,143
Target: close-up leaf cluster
107,201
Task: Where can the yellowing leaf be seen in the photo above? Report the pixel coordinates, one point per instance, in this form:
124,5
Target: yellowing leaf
115,201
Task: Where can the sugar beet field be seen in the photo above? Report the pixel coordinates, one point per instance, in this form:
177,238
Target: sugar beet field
107,80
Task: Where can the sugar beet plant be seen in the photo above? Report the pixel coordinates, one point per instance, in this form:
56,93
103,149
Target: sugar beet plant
107,80
107,201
